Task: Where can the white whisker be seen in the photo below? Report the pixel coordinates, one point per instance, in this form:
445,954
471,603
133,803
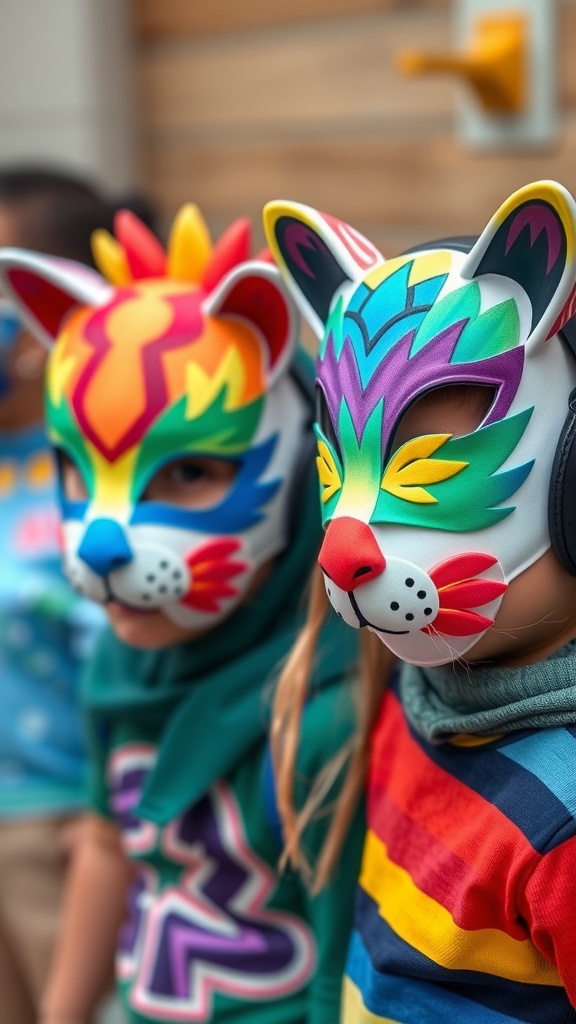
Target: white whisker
529,625
455,658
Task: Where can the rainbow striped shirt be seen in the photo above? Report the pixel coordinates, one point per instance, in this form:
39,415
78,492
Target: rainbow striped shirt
466,910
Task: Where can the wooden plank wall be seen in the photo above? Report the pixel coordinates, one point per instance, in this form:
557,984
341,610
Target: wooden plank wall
241,101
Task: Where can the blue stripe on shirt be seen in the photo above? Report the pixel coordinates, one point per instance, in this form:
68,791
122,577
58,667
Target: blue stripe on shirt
411,1001
387,952
549,755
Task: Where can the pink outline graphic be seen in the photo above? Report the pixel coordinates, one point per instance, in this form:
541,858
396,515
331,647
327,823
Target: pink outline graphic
208,978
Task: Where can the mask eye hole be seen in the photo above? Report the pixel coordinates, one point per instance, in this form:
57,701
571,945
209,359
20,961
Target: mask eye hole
454,409
324,421
72,481
192,481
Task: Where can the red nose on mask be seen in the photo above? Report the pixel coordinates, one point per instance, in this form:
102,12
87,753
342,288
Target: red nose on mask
350,555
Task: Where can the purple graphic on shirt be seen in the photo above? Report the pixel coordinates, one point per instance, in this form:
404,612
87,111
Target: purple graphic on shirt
132,927
209,929
128,770
140,898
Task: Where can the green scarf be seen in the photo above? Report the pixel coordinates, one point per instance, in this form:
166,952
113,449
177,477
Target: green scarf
444,701
208,697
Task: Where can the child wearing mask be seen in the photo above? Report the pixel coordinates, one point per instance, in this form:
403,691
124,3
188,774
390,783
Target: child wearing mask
447,467
45,629
180,410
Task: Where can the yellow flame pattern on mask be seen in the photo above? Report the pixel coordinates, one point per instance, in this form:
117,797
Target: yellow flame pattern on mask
427,265
113,482
411,467
110,258
189,246
328,472
203,389
61,366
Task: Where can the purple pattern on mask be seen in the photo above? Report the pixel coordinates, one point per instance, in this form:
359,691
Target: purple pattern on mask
401,379
539,218
297,239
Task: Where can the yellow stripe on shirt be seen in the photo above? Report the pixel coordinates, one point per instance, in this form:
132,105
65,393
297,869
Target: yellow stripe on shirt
462,739
429,927
353,1009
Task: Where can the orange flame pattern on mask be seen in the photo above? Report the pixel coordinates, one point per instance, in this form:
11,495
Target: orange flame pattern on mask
122,365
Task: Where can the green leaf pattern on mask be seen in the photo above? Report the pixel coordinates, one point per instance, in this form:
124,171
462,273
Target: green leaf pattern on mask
361,479
64,433
218,432
334,328
328,506
495,331
484,334
468,500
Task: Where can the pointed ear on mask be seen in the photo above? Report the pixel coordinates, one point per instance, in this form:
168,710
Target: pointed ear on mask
46,289
531,239
317,255
254,292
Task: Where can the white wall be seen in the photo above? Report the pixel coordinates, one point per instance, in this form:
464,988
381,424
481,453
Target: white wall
65,85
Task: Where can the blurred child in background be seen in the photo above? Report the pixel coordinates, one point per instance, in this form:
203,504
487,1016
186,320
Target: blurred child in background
181,407
45,629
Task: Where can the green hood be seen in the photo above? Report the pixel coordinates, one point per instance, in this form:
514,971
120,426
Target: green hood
209,699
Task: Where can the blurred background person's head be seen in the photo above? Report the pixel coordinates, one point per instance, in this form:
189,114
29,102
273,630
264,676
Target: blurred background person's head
55,212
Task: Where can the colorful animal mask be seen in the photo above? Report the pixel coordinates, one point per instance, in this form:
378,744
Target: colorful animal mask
177,354
422,539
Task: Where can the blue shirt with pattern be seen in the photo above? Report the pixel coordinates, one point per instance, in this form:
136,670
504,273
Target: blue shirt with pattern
46,632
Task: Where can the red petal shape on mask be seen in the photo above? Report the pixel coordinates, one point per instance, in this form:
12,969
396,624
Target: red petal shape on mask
459,592
208,597
265,256
471,593
456,623
231,249
211,571
145,255
213,551
460,568
217,570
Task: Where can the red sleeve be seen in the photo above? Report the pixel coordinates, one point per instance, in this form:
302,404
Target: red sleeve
549,907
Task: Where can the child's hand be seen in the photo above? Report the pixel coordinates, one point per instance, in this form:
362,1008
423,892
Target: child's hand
71,839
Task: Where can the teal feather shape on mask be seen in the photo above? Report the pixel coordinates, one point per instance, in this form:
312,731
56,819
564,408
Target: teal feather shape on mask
483,335
376,319
63,432
468,499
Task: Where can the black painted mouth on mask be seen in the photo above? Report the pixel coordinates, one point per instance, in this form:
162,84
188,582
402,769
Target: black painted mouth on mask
363,621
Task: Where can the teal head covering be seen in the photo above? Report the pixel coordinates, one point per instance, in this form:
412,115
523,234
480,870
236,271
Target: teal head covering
207,698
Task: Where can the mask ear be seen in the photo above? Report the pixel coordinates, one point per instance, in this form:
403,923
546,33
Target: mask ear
531,240
254,292
317,255
45,289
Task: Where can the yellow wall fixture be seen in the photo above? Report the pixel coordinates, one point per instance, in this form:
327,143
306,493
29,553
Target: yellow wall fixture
495,63
505,50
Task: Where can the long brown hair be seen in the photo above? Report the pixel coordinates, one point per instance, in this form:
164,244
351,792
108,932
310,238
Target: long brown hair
375,665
